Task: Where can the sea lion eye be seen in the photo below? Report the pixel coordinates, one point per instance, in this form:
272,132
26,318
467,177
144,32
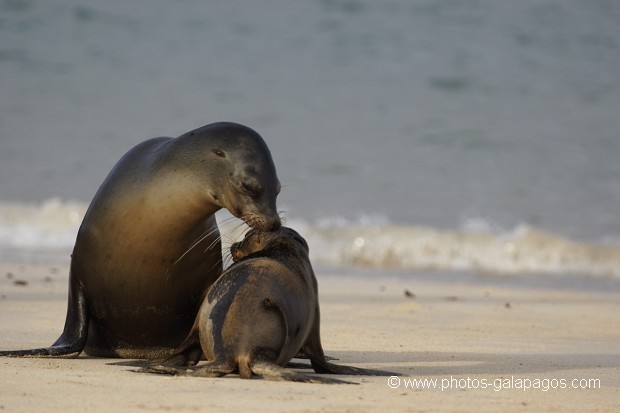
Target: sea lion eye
219,153
248,188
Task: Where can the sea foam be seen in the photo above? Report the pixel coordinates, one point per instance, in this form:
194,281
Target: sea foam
369,241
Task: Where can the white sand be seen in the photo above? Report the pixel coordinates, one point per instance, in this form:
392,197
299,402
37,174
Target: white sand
464,334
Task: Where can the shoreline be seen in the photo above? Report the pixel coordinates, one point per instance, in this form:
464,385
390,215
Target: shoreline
456,329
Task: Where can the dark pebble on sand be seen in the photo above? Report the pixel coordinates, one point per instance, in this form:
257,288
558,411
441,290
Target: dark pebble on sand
409,294
20,282
47,279
507,305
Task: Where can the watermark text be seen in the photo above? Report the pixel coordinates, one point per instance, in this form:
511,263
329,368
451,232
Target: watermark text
497,384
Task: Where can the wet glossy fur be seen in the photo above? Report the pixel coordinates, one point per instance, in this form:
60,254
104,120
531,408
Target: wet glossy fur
149,247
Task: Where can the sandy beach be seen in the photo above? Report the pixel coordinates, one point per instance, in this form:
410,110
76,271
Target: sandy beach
453,166
458,343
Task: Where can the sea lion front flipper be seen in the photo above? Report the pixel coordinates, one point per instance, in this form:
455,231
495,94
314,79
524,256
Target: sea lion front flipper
75,333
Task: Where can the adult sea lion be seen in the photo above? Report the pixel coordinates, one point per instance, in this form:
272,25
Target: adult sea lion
149,247
258,315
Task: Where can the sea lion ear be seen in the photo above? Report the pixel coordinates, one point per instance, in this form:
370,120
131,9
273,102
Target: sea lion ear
219,153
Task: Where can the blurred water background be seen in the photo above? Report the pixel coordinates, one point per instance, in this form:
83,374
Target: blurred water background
408,134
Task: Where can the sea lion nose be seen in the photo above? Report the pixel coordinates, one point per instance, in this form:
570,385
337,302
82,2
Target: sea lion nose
271,220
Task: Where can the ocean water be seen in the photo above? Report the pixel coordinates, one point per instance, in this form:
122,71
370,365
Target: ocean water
408,134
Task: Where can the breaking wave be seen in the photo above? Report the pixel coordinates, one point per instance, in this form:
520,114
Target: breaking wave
370,241
523,250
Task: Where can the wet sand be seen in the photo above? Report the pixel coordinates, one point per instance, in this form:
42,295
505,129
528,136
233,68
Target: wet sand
483,339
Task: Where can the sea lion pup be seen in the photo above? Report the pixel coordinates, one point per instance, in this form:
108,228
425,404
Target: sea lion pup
149,247
258,315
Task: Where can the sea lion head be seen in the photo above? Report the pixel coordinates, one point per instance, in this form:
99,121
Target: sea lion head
256,241
237,172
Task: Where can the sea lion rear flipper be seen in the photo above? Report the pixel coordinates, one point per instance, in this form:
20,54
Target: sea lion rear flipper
271,371
314,350
331,368
301,355
320,365
73,338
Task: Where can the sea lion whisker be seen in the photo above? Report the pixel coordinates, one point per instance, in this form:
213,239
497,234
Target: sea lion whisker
237,227
227,259
234,223
226,221
215,241
217,263
251,219
201,238
227,244
237,231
